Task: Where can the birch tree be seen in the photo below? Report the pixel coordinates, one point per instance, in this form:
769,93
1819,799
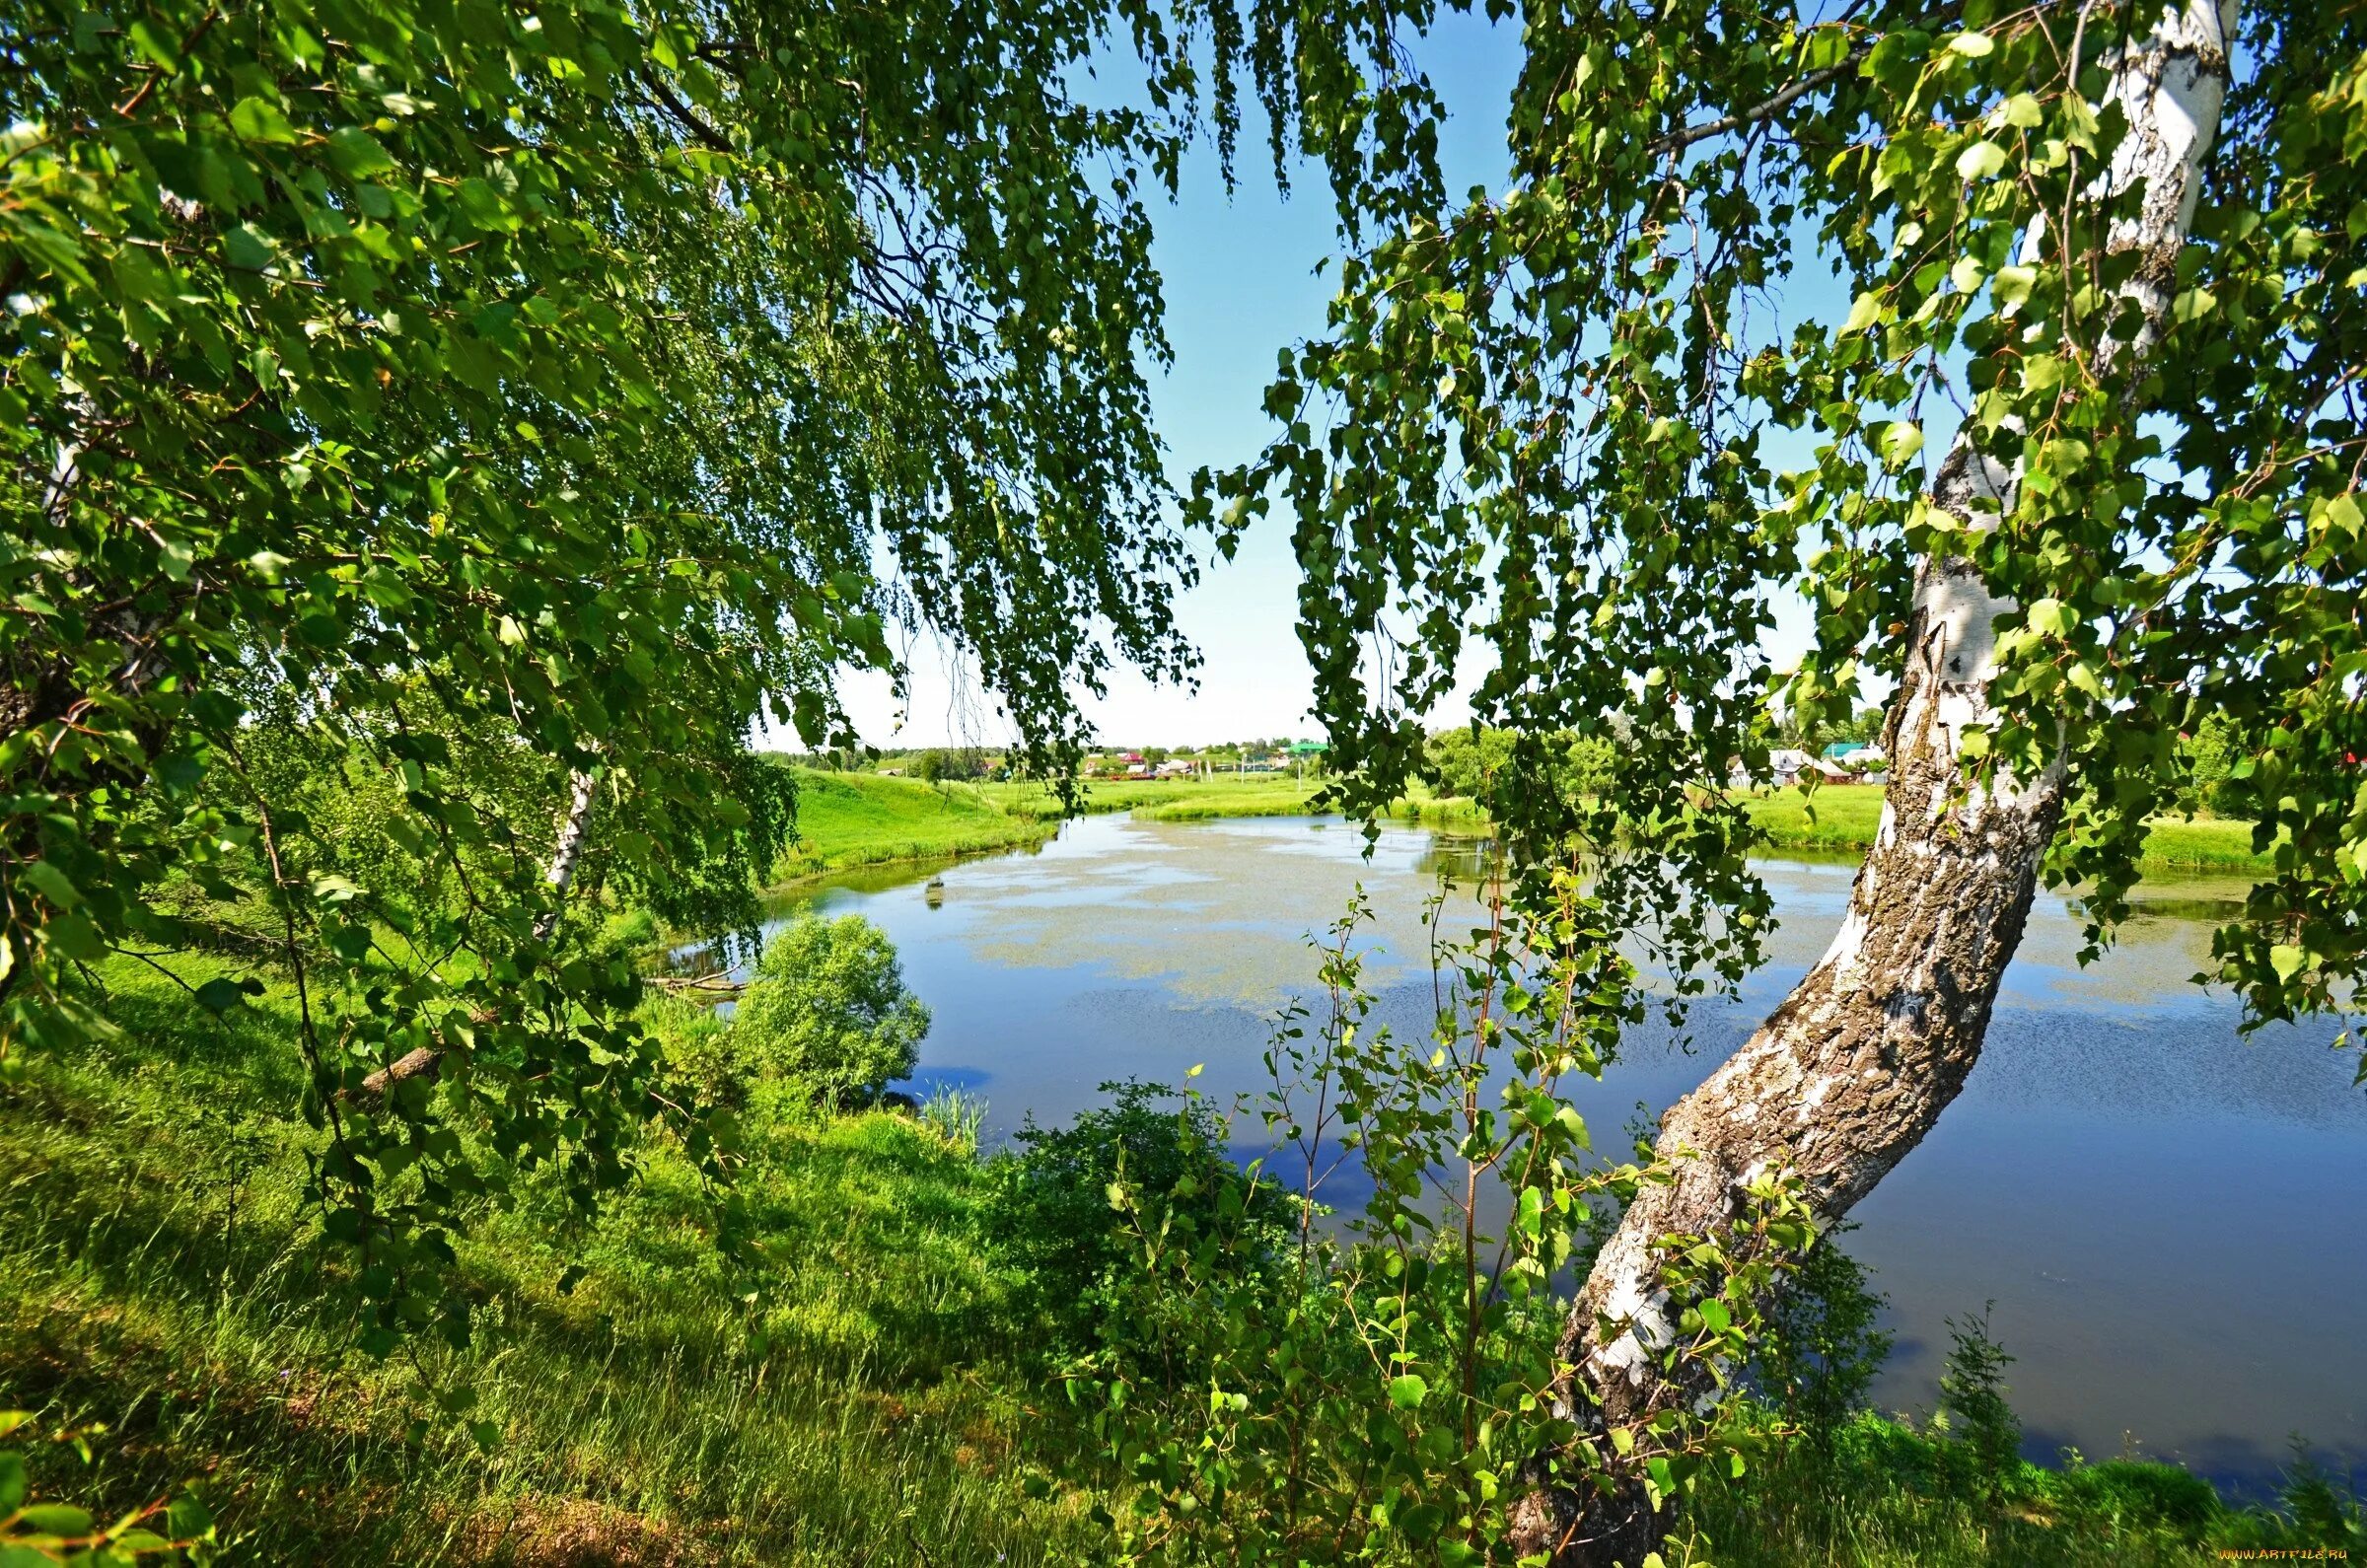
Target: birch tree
518,404
2112,253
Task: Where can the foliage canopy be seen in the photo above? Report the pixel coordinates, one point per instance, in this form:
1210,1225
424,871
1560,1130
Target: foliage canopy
1538,435
497,413
828,1014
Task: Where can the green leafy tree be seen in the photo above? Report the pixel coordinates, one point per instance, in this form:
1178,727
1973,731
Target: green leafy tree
2212,753
949,764
1460,761
2079,448
827,1017
509,410
1824,1345
1973,1395
1467,762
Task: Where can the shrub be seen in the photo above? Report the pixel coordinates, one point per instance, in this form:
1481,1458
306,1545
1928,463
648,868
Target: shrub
2325,1513
2140,1493
827,1015
697,1048
1972,1393
1052,1212
1822,1348
1368,1390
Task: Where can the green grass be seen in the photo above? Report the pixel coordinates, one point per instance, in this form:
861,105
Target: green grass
1842,819
1166,800
848,820
1888,1496
1224,795
158,1274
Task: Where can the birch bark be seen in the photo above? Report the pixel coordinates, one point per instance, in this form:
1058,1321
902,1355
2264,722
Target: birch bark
575,824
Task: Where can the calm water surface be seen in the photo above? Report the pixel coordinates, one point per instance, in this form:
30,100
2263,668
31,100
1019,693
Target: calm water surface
2171,1220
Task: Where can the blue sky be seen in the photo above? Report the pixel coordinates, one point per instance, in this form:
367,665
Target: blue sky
1238,273
1239,280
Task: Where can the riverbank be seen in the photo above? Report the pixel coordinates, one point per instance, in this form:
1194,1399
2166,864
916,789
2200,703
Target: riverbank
1165,799
1221,795
849,820
880,1396
1843,818
161,1273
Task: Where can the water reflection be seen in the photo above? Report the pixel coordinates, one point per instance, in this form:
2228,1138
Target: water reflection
2170,1217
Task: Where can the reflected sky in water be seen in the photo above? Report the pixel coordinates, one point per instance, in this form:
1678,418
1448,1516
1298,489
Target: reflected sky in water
2171,1219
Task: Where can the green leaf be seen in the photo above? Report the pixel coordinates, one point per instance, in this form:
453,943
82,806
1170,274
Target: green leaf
55,1519
220,994
329,888
2288,960
2050,617
248,248
187,1518
1971,45
1979,162
141,1540
259,119
1406,1391
50,882
357,154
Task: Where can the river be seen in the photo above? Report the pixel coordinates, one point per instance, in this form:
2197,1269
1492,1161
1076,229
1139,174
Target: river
2171,1218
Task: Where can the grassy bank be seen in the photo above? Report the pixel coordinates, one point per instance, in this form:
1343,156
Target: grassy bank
1165,799
1224,795
1883,1496
160,1275
848,820
1842,819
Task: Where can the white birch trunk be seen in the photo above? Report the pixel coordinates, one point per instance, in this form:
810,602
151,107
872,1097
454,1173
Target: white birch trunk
575,826
1855,1066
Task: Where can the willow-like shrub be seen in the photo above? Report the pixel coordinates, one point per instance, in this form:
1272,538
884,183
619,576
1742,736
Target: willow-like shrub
828,1016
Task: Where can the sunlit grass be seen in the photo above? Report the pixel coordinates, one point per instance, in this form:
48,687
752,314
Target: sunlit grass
1843,818
848,820
158,1273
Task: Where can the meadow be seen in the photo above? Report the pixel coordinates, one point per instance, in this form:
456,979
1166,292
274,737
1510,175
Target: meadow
871,1388
162,1292
1842,819
849,820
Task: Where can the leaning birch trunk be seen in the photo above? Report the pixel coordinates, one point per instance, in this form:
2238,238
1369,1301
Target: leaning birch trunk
1855,1066
575,824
